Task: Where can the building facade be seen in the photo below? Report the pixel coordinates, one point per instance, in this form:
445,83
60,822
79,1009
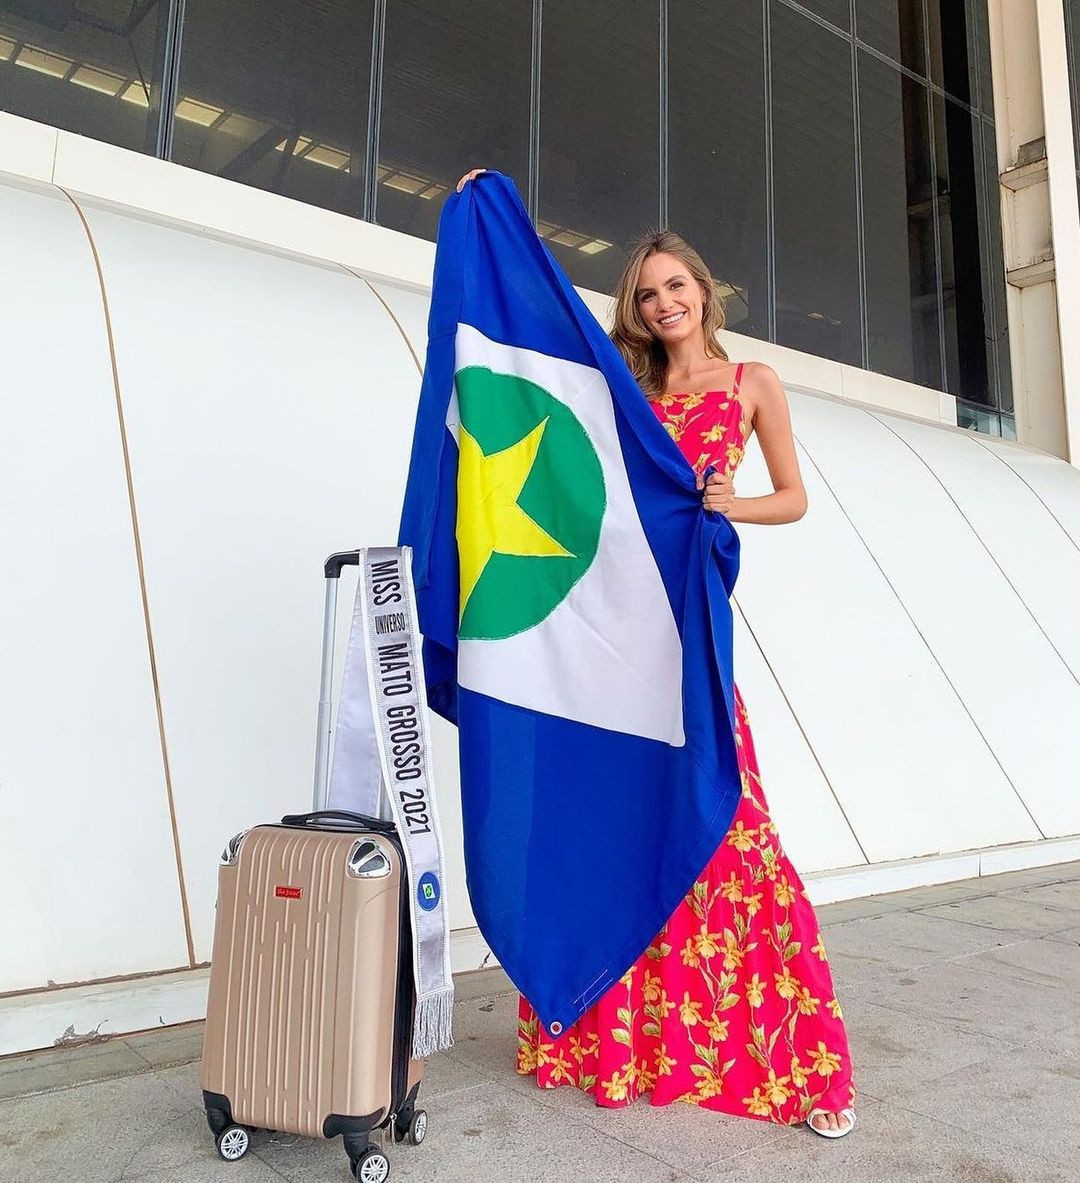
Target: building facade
216,226
836,161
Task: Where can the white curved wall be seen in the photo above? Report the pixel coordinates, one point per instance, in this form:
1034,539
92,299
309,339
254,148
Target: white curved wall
907,651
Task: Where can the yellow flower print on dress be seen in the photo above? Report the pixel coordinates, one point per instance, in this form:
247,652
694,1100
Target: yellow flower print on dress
560,1069
834,1009
733,955
651,988
732,889
705,943
798,1073
786,985
819,949
753,904
784,893
758,1105
742,838
664,1062
717,1028
776,1089
755,991
823,1061
527,1059
714,435
689,954
807,1005
710,1085
616,1088
689,1011
580,1048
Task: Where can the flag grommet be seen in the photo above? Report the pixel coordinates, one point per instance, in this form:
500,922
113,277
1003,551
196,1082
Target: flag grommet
555,1028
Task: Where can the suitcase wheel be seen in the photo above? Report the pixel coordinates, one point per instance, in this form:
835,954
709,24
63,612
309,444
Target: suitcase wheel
416,1128
233,1142
372,1166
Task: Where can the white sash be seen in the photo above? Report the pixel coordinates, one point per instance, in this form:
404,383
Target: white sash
392,749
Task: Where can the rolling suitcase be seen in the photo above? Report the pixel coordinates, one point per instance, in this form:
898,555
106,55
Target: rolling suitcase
309,1016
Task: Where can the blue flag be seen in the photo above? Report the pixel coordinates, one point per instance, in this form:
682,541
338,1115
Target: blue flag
573,595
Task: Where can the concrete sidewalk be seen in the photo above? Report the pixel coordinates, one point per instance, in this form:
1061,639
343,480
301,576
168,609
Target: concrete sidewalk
961,1004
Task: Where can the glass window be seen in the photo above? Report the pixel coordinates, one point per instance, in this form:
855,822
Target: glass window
902,300
837,11
962,217
599,133
895,28
980,419
1072,50
952,48
980,18
716,149
88,66
276,96
995,270
456,84
817,266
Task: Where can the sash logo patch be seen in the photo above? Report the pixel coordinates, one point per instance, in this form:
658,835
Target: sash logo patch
428,892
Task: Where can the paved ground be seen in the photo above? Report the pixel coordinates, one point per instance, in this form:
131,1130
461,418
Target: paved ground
961,1003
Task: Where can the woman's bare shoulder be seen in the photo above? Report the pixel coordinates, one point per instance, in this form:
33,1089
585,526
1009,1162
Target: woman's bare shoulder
760,374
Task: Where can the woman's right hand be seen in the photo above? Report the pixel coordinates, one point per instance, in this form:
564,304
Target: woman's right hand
471,175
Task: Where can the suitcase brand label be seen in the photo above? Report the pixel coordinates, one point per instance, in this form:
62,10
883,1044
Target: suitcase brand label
288,893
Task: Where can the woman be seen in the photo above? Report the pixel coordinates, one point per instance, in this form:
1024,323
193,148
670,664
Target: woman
732,1006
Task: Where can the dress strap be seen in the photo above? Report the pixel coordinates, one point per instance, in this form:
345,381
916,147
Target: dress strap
738,379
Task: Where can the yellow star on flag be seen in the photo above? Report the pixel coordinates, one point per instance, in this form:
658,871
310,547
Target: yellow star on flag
490,521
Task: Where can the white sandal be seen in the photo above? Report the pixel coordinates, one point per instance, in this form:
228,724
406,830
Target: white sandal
828,1133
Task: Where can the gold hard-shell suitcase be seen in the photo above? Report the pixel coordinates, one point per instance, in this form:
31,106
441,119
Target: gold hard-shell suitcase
310,1011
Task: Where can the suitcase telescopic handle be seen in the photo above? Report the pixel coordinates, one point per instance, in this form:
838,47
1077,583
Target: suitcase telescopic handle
360,820
344,558
332,569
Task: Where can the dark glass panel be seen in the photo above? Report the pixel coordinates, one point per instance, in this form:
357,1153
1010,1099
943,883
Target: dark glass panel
995,269
455,96
901,274
962,220
1072,48
978,418
952,48
276,96
88,66
837,11
981,21
599,133
817,287
716,157
896,28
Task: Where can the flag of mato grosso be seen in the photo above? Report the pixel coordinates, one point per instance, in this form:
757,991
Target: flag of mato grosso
573,597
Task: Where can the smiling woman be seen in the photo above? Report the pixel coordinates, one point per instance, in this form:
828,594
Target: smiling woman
758,1031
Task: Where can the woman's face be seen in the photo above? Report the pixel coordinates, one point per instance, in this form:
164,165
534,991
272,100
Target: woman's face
669,299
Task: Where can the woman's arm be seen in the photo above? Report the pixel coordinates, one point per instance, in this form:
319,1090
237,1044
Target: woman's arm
772,424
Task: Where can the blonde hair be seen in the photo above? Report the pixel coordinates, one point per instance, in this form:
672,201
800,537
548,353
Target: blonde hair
642,352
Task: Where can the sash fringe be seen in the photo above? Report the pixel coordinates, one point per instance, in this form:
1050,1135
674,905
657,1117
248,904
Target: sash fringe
433,1025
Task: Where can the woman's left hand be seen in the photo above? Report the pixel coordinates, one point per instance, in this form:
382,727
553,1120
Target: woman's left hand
719,493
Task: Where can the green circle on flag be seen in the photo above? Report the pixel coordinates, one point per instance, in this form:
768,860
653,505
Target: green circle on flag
531,500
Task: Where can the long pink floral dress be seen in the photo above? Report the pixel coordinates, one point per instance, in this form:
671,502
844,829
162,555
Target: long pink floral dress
732,1006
